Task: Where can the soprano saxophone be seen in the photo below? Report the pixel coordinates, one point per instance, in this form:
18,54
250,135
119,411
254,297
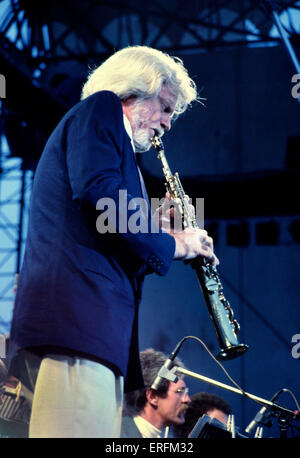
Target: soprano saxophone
221,314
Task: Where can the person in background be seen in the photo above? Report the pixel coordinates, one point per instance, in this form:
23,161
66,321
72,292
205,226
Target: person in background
150,413
203,403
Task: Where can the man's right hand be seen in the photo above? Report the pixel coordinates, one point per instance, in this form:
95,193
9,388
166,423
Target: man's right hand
193,242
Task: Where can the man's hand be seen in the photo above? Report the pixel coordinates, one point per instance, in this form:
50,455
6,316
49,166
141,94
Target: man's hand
191,243
167,216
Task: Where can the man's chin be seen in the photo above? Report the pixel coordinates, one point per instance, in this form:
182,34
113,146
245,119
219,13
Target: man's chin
180,420
142,148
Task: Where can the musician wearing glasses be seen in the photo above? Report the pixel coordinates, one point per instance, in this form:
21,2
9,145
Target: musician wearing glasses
150,413
80,285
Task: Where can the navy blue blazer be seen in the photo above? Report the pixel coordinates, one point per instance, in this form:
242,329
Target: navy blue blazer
79,289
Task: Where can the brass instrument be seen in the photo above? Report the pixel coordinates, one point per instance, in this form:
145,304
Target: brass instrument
221,314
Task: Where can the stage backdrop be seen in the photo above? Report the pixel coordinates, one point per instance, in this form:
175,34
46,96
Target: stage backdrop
244,128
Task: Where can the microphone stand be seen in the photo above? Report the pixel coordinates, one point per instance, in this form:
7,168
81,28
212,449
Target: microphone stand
285,415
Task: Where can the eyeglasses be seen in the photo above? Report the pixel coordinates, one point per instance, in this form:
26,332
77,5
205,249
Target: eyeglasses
182,392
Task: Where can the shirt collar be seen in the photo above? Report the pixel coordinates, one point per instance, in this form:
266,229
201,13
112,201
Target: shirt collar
146,429
128,129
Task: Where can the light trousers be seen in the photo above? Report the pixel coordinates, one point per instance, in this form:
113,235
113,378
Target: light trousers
76,398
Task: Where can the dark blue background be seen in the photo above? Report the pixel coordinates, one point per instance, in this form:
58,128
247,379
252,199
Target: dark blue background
249,115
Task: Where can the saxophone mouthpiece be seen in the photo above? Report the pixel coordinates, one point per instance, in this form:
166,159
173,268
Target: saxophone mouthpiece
157,143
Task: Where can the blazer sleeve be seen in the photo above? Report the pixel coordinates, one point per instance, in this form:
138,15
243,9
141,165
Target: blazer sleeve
95,150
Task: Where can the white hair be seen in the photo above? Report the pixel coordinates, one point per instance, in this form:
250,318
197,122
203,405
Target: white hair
141,71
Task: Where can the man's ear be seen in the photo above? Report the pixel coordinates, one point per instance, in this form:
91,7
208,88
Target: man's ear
152,397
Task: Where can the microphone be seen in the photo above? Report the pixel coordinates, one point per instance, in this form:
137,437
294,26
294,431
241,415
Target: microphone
164,373
262,416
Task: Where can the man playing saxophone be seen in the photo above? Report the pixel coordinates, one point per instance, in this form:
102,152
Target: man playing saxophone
76,309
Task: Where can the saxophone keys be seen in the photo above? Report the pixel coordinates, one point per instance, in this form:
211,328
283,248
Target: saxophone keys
230,313
211,285
236,326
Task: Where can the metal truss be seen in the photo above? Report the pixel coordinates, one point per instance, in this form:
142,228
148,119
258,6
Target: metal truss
80,32
15,191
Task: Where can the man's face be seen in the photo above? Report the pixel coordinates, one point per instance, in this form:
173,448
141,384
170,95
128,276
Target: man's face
149,117
171,409
219,415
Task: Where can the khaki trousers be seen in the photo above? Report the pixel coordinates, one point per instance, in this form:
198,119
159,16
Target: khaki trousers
76,398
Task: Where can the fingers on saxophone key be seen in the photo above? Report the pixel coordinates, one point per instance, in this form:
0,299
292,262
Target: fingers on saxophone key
207,241
206,248
216,261
199,243
191,207
207,253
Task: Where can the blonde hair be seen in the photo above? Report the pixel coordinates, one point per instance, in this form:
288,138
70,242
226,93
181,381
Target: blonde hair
141,71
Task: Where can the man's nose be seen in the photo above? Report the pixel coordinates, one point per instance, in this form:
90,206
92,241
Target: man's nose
166,122
186,398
